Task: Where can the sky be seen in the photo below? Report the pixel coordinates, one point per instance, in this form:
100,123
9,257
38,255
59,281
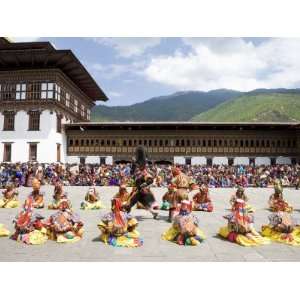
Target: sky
132,70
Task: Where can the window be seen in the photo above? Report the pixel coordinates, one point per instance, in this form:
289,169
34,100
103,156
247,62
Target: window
32,151
57,92
58,146
82,110
33,91
58,123
21,91
7,91
88,114
47,90
34,120
7,152
82,160
67,100
9,120
76,105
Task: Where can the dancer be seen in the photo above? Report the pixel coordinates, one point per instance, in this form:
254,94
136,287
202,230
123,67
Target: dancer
91,200
202,200
123,195
170,202
36,194
240,227
29,227
118,228
185,230
58,195
282,229
9,199
276,200
240,194
64,226
143,180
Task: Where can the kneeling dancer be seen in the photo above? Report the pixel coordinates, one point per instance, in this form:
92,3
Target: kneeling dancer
29,227
36,194
184,230
9,199
282,229
202,200
59,194
276,200
118,228
64,226
91,200
240,227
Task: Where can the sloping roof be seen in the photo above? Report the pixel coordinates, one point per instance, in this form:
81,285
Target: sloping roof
37,55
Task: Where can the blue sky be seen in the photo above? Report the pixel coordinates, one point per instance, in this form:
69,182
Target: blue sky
132,70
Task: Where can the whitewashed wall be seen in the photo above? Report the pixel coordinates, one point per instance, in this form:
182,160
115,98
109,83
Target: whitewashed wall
180,160
262,161
241,161
219,160
199,160
47,138
283,160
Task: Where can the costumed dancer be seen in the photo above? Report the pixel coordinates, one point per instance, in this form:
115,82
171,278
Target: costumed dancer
118,228
240,194
123,195
92,199
64,226
36,194
170,202
29,227
182,184
9,199
143,180
58,195
276,200
184,230
202,200
282,228
240,227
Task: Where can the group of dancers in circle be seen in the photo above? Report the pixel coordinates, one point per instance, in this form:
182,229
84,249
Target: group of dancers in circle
118,227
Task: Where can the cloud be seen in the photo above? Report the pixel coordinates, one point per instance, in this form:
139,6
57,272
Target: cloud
129,47
114,94
110,71
25,39
234,63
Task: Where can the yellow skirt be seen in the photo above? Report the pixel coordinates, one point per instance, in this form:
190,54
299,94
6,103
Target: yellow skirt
250,208
252,239
172,233
292,238
129,240
3,231
11,204
68,237
95,205
38,237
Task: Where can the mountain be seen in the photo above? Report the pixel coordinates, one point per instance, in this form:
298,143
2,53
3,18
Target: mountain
278,105
181,106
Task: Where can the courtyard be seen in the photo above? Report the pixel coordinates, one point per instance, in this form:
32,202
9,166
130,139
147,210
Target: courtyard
154,248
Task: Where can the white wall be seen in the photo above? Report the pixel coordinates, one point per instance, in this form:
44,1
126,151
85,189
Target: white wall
180,160
262,161
198,160
218,160
283,160
47,138
241,161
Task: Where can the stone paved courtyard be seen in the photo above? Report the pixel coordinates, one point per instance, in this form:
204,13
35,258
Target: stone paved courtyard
154,249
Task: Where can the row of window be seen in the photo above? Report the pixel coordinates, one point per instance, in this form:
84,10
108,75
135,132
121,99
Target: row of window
33,121
185,142
44,91
32,152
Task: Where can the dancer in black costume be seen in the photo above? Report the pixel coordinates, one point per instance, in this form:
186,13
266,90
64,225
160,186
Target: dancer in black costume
143,179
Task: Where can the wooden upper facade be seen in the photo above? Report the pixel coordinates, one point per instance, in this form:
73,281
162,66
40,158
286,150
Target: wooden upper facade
164,140
37,76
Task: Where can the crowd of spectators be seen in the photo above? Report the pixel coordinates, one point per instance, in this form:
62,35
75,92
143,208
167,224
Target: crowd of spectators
21,174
